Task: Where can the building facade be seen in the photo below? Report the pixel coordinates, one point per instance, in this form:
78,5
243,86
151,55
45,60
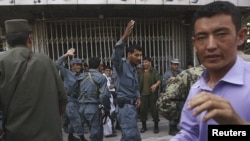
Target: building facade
92,27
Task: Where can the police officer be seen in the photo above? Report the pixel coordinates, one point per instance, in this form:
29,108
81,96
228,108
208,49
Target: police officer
169,76
31,90
94,93
127,85
72,107
150,80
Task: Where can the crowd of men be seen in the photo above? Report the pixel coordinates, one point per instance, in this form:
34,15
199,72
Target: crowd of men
35,93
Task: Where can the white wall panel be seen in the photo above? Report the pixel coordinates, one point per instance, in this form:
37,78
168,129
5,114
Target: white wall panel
92,1
62,1
200,2
7,2
30,2
150,2
244,3
121,1
176,2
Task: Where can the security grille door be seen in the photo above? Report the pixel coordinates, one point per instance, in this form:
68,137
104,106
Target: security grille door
162,39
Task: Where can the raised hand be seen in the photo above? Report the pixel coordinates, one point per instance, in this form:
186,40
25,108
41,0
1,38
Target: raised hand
70,52
128,30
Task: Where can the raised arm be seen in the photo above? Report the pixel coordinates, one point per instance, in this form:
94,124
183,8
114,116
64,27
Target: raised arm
119,47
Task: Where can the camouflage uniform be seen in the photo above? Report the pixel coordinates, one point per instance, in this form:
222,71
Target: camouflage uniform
171,101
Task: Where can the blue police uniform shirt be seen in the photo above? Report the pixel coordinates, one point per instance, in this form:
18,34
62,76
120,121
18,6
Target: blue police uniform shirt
89,90
68,75
127,85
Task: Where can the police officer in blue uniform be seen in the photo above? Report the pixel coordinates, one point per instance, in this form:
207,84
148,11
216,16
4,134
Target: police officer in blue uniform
127,85
72,108
94,94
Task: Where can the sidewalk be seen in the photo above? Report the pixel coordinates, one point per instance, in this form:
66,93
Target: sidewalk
147,136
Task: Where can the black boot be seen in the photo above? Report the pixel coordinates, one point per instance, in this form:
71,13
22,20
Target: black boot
71,137
144,127
173,130
156,128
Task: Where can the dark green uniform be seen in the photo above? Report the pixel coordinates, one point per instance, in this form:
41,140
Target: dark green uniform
33,111
169,103
148,101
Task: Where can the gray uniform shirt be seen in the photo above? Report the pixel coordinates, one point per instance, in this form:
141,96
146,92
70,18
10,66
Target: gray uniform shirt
127,85
88,89
68,75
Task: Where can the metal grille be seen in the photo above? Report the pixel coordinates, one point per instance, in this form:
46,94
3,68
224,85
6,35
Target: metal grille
162,39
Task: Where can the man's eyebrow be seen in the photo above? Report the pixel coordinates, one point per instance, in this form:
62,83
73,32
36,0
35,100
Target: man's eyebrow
214,31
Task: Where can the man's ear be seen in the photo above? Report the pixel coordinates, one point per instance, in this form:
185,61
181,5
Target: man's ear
129,54
242,36
29,41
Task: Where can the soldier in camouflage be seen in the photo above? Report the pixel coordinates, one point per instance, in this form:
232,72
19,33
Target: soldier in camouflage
171,101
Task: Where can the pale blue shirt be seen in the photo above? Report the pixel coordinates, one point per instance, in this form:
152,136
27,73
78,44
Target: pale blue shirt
234,86
127,85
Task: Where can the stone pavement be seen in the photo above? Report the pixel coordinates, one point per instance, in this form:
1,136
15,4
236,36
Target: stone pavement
146,136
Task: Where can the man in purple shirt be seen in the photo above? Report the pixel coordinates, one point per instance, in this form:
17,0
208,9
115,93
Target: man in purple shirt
222,94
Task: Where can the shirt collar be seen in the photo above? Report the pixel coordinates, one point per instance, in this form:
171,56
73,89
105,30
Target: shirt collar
131,67
234,76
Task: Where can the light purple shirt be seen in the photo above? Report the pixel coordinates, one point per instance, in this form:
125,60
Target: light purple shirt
234,86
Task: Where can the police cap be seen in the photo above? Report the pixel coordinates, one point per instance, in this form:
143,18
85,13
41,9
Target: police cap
75,61
17,25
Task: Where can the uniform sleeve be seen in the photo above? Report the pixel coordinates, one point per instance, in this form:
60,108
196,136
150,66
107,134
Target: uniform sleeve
60,66
157,76
164,80
117,55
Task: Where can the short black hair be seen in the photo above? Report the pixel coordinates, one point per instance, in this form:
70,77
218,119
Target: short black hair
220,7
94,62
132,48
20,38
146,58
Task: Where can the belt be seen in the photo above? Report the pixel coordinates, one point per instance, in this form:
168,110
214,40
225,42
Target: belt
127,101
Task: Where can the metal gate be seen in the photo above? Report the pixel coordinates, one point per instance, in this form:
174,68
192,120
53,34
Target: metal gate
162,39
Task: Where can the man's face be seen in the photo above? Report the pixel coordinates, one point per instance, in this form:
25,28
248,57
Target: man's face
174,66
76,67
135,57
107,72
146,64
215,40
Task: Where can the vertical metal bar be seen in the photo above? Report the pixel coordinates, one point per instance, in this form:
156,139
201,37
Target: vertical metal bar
145,38
104,35
86,40
51,41
76,39
56,40
108,29
152,49
95,38
47,40
158,46
91,40
71,38
61,39
161,65
81,39
66,37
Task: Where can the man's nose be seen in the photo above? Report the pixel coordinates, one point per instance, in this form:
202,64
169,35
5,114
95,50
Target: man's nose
211,42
